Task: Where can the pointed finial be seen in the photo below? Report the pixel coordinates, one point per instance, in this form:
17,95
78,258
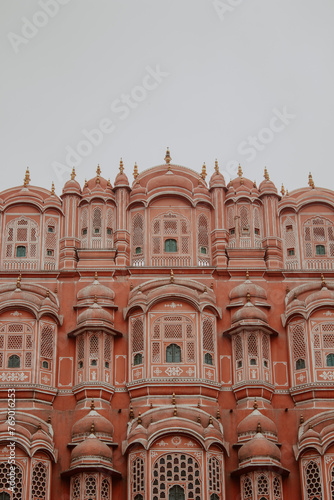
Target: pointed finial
18,282
199,419
239,171
121,168
135,171
203,174
167,157
247,275
49,419
255,405
323,282
301,420
258,429
241,180
139,419
96,275
310,181
108,182
248,296
218,414
92,405
287,192
173,399
295,296
254,185
175,411
216,166
266,175
52,188
210,420
171,276
283,190
73,174
92,428
211,285
131,413
198,404
98,170
131,286
287,290
48,293
26,178
86,183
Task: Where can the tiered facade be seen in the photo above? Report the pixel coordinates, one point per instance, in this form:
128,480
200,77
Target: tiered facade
171,340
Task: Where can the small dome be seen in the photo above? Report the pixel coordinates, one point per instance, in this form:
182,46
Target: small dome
323,294
217,179
72,186
249,313
93,314
137,188
259,446
248,287
169,179
250,424
101,424
101,292
39,434
91,447
267,186
310,433
121,178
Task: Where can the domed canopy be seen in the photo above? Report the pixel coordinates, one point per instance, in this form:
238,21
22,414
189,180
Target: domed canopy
267,186
323,294
249,313
101,292
72,186
251,423
217,179
93,314
259,446
84,424
241,291
91,447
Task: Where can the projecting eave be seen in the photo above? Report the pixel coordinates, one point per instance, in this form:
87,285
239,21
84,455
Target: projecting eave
250,325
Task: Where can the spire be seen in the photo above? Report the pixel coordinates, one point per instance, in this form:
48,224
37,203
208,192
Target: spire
139,419
18,282
323,282
86,183
131,413
248,296
26,178
283,190
135,171
173,399
73,174
175,411
247,275
310,181
171,276
203,174
92,405
258,429
266,175
121,168
167,157
92,428
239,171
98,170
216,166
255,405
53,188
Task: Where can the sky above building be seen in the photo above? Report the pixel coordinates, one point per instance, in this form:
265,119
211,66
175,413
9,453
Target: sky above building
244,81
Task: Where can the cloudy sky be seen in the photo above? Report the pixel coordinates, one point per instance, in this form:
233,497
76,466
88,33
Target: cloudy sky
86,82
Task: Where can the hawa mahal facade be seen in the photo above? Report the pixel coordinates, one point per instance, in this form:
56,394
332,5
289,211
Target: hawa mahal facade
169,340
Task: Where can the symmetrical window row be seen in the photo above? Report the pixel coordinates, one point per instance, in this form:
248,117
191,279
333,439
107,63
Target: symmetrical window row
97,227
245,226
261,486
39,482
94,357
252,356
90,487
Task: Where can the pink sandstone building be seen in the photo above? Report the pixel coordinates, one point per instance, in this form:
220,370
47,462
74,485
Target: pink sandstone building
172,339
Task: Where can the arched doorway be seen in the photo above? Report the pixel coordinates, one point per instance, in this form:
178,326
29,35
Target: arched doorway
176,493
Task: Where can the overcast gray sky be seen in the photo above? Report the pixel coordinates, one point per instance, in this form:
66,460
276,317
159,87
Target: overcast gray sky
87,82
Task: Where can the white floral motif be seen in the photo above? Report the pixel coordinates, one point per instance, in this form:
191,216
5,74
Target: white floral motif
157,371
162,443
176,440
327,375
190,372
13,377
174,370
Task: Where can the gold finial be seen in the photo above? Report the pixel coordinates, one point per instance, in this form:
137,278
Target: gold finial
199,419
254,184
266,175
131,413
135,171
92,405
53,188
258,429
26,178
211,285
310,181
171,276
218,414
108,182
121,168
203,174
301,420
287,290
247,274
48,293
86,183
173,399
49,419
241,180
95,299
73,174
139,419
18,282
248,296
216,166
210,420
131,286
295,296
167,157
323,282
139,288
239,171
96,276
98,170
56,288
287,192
283,190
92,428
255,405
175,411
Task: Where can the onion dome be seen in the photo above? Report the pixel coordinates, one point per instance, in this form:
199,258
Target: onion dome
323,294
310,433
95,314
137,188
259,446
101,292
101,424
39,434
249,313
171,180
217,179
241,291
267,186
72,186
121,179
97,184
201,188
250,424
91,447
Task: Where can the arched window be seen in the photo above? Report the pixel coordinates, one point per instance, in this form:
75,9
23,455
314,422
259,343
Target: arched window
300,364
170,245
90,488
298,345
176,493
21,251
330,359
21,241
39,482
215,478
319,237
138,359
138,478
139,497
4,496
208,359
14,361
263,486
208,340
313,481
173,353
203,240
6,471
138,239
320,250
214,496
248,489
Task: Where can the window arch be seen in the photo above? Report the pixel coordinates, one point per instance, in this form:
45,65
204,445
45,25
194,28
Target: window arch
138,240
244,221
165,228
319,238
14,361
262,485
247,489
5,472
137,478
170,245
173,353
176,492
50,244
323,344
84,227
138,359
39,486
176,469
300,364
203,240
137,328
313,481
215,478
298,345
16,346
90,488
21,249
